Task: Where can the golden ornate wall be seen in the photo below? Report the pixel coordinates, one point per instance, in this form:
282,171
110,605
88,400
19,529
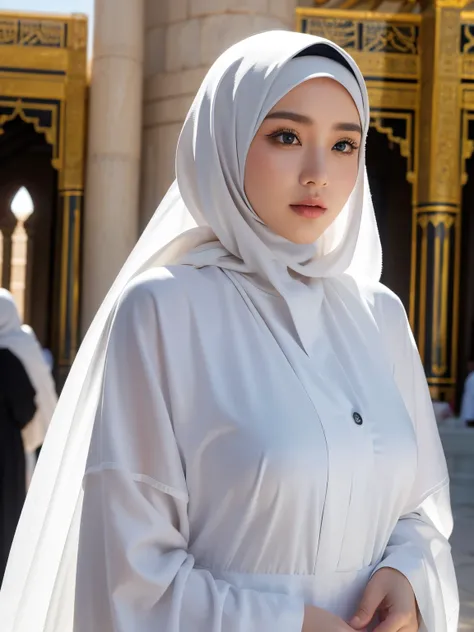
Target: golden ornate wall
419,69
43,81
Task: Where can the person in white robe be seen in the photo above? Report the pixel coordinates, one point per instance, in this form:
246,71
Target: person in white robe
21,340
246,441
467,401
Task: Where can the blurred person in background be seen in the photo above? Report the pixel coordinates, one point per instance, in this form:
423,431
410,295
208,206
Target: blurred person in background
27,402
467,405
442,410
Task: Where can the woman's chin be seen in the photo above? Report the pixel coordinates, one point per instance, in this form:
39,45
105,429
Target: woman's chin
299,231
302,237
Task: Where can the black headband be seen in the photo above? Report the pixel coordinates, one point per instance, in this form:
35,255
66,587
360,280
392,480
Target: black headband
324,50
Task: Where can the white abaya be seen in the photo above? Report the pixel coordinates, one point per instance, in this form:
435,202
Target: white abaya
233,478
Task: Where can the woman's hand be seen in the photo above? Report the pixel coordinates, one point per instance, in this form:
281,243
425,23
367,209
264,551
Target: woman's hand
390,595
318,620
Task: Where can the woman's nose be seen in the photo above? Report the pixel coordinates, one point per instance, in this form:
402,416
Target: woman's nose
314,171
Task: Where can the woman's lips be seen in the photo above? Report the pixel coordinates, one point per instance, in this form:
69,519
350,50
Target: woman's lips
306,210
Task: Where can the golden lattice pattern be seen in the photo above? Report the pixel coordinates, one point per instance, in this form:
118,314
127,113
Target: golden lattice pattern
26,32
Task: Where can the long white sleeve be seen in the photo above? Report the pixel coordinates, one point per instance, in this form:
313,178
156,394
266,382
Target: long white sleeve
418,546
134,569
419,549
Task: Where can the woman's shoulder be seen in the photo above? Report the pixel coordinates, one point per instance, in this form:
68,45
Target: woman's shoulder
391,320
161,282
171,294
386,306
170,284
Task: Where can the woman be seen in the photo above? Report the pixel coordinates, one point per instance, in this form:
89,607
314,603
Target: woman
262,453
27,402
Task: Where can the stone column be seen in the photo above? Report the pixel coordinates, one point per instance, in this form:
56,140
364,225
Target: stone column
113,162
437,220
182,40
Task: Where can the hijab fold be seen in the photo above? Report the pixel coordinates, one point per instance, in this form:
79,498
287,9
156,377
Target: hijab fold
205,219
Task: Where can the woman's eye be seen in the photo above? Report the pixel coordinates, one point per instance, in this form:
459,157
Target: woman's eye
345,147
286,138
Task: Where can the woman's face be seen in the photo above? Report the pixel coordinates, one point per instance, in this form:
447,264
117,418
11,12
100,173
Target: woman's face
302,164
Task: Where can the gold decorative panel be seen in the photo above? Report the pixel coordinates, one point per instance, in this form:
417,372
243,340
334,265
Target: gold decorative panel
383,123
467,141
381,37
393,95
467,89
467,45
31,113
22,31
43,81
383,45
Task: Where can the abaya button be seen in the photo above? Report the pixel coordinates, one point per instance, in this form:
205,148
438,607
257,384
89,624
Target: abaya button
357,419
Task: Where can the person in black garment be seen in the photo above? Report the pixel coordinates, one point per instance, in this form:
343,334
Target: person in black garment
29,399
17,409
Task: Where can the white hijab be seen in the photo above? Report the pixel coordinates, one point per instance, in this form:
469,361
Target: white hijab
205,219
22,342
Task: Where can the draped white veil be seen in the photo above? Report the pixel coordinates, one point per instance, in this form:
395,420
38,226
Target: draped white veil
204,219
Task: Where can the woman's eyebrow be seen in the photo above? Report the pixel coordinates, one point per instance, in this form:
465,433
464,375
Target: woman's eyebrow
291,116
348,127
306,120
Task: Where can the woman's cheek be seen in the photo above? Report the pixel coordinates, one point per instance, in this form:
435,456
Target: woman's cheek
284,168
274,168
344,176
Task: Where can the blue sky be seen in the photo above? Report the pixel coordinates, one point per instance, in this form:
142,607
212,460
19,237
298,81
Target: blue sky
53,6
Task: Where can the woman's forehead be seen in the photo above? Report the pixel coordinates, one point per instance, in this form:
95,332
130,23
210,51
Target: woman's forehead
305,79
319,94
